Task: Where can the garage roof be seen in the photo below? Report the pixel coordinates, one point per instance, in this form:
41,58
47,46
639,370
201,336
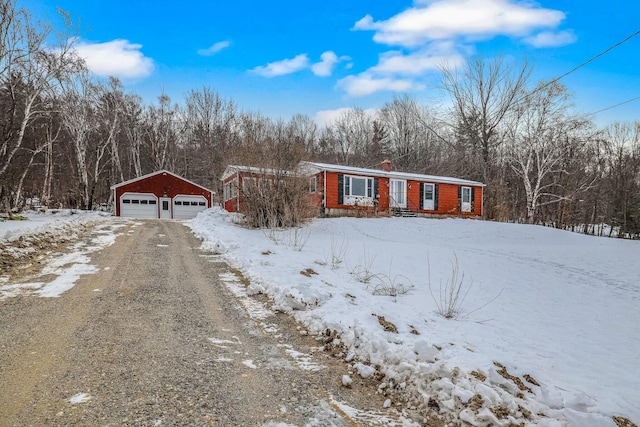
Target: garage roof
163,171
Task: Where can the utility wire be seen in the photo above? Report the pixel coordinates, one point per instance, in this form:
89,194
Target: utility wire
607,50
614,106
588,61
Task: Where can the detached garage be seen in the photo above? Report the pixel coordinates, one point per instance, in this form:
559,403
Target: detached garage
161,194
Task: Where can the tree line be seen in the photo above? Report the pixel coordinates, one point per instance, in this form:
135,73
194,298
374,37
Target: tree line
66,136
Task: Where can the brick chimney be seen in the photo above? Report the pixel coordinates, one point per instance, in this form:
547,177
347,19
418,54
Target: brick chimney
386,165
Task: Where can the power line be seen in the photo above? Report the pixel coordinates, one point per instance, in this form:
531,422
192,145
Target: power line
607,50
613,106
588,61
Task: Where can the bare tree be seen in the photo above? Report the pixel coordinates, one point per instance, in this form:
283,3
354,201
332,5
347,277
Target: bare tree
305,131
162,131
542,132
209,129
79,115
483,94
409,134
109,116
622,145
353,130
30,72
134,131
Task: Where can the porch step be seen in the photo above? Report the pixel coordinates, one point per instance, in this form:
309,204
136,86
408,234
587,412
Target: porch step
403,212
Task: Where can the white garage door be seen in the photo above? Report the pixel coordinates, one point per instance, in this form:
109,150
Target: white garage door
187,207
138,205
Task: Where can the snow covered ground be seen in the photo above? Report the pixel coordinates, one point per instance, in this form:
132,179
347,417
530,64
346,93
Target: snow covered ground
548,334
547,327
50,220
30,241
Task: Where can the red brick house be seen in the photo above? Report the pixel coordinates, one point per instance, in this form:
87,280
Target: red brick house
160,194
344,190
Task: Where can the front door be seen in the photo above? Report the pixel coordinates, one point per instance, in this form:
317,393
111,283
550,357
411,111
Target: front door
429,197
466,200
398,193
165,208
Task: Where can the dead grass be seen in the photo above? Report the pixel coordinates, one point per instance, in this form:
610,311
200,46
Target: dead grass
517,381
623,422
388,326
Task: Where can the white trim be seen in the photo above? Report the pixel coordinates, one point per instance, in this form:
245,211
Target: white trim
163,171
324,192
310,167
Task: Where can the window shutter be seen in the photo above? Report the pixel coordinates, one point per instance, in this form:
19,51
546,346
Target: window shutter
376,188
473,198
421,196
435,197
340,189
459,199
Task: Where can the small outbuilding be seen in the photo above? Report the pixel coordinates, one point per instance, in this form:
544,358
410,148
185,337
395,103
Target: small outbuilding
162,195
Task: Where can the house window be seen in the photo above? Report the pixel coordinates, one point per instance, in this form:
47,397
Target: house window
230,189
266,183
313,184
356,186
177,203
249,183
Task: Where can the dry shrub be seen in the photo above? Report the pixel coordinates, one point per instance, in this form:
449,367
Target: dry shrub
279,200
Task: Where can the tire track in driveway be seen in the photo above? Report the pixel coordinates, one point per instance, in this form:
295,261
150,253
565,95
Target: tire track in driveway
156,338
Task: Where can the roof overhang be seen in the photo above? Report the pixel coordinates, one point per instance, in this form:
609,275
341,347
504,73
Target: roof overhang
163,171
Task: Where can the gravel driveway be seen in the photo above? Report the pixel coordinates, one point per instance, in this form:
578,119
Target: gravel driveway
156,338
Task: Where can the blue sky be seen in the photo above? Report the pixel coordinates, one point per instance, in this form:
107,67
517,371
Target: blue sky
316,57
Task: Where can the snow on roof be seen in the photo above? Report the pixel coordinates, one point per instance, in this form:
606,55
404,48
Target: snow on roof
307,168
140,178
393,174
232,169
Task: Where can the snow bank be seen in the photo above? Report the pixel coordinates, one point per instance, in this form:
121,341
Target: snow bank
554,340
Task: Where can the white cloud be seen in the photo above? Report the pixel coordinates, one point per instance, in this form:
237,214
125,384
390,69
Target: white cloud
551,39
450,19
328,117
214,48
328,61
118,58
415,63
286,66
367,83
